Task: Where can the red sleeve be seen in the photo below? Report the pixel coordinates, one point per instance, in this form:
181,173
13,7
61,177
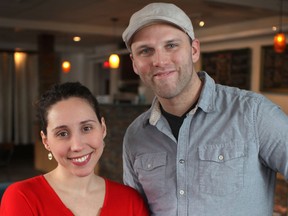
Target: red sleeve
139,207
32,196
14,203
122,200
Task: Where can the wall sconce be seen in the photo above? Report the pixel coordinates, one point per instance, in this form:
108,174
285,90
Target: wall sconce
279,38
66,66
114,61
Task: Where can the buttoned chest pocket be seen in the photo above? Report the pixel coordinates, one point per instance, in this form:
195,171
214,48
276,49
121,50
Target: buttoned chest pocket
221,168
151,173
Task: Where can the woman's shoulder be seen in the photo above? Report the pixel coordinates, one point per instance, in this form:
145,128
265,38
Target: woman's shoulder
20,191
120,188
28,185
123,199
118,185
32,187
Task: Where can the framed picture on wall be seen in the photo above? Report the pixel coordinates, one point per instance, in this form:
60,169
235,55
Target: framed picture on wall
229,67
274,70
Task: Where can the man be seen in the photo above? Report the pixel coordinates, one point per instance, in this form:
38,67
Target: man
202,149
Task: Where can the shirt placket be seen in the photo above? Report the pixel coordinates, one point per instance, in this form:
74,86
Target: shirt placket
182,207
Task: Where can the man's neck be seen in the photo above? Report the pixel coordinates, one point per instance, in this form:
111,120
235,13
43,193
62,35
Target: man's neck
180,104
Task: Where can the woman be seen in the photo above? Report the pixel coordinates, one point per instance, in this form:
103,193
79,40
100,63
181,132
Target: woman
72,130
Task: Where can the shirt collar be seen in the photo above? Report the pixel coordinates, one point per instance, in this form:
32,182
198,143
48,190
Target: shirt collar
207,97
155,112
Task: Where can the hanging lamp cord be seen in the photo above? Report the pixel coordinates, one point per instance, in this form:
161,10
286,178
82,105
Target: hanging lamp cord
281,14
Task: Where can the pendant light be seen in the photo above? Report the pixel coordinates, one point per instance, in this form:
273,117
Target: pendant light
279,38
66,66
114,60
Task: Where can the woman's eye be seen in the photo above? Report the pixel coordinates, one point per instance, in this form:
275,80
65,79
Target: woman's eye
87,128
62,134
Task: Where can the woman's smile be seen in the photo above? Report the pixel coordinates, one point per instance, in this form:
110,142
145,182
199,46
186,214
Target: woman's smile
81,161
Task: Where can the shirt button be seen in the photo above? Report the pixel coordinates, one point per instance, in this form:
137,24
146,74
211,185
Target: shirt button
149,166
220,157
181,161
181,192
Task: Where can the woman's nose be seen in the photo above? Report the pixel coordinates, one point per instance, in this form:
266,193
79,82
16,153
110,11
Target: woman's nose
77,143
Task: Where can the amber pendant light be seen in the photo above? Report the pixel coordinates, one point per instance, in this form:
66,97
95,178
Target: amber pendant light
279,38
114,60
66,66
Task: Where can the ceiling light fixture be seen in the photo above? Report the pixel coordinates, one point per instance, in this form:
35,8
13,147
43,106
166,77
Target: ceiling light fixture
279,38
201,23
76,38
114,60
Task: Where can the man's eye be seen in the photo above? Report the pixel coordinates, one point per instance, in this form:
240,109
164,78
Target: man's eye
145,51
171,45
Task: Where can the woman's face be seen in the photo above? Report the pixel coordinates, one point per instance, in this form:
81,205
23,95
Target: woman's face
74,136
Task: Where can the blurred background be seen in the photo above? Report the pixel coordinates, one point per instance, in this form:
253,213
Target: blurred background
37,36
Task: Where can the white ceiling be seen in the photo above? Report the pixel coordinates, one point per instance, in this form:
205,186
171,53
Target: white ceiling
21,21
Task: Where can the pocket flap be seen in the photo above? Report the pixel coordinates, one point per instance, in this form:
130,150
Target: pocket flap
221,152
150,161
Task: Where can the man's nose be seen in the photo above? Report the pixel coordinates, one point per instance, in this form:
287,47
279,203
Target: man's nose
160,58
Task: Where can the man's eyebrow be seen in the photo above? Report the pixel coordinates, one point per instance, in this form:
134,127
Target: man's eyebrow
143,46
173,40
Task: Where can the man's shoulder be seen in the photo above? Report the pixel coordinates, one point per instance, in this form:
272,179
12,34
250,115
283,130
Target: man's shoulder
139,121
236,92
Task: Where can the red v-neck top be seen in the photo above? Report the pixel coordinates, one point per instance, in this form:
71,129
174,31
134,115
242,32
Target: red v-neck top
35,196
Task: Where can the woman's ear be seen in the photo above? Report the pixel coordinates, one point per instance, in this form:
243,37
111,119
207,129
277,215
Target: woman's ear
104,128
44,140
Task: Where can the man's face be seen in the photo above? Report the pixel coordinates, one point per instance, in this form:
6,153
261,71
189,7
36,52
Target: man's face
163,57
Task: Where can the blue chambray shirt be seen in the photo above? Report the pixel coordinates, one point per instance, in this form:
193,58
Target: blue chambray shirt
224,163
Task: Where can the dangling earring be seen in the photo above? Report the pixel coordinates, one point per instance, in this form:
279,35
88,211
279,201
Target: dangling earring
50,156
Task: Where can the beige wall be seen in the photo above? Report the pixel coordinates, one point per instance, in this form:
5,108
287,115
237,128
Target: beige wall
254,36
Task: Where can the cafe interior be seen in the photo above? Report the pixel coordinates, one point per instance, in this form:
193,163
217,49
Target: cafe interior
43,42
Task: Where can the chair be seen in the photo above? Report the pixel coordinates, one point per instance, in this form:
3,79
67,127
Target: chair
3,187
6,152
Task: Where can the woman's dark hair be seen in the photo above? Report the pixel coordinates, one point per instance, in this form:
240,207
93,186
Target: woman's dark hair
59,92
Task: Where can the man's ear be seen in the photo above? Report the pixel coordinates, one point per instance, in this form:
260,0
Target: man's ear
195,50
44,140
133,64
